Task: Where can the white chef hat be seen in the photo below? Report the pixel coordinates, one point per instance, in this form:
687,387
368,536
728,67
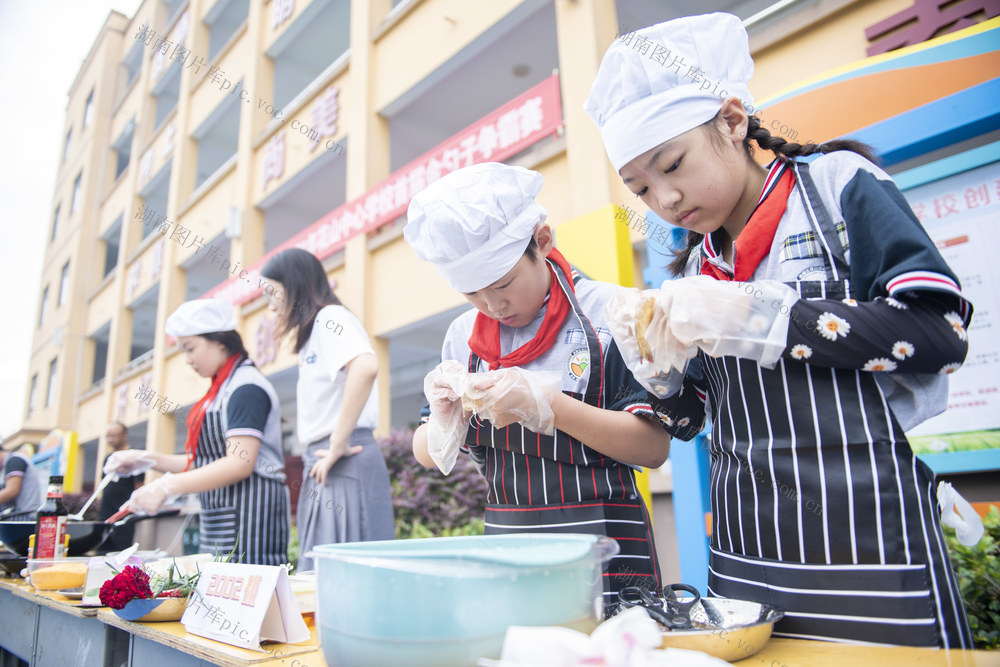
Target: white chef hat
201,316
639,102
475,223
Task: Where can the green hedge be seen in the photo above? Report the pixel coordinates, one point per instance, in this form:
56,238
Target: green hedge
978,571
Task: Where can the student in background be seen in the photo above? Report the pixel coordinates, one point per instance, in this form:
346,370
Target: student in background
118,492
233,458
345,494
21,493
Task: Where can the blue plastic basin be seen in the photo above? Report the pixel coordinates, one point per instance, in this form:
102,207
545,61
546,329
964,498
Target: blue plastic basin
449,601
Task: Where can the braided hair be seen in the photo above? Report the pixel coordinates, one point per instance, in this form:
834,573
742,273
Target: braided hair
785,150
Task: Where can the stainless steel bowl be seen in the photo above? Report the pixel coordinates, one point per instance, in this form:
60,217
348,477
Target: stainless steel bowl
736,630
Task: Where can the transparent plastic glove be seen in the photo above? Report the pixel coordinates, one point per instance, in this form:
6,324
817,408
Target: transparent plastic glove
129,462
444,387
967,524
514,395
149,498
661,371
731,319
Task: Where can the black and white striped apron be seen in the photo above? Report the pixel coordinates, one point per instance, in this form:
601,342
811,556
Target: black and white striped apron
820,506
556,484
242,516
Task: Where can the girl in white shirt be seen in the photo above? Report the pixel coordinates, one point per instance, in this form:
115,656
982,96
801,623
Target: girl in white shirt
345,494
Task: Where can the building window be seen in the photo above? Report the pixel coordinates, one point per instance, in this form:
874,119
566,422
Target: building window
133,64
45,306
111,239
50,395
88,110
55,225
31,393
69,133
64,284
223,20
75,201
123,148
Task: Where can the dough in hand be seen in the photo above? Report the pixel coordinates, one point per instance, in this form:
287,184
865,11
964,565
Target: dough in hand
470,404
642,319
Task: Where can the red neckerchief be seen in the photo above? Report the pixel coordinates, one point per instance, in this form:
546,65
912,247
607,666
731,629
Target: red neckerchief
196,417
485,338
754,242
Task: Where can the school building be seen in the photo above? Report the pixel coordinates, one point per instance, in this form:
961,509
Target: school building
203,136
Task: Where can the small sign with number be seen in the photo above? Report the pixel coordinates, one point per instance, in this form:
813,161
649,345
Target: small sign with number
243,605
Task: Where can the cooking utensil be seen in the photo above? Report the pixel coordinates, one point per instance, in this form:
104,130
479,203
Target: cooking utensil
100,487
12,564
668,611
83,535
634,596
744,628
72,593
119,515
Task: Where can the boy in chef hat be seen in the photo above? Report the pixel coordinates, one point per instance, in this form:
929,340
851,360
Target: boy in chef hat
816,368
559,457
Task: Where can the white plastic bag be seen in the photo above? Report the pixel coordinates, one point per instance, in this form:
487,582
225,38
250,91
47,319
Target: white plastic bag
967,524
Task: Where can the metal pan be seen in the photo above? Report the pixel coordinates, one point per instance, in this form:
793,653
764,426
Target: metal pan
83,535
12,564
725,628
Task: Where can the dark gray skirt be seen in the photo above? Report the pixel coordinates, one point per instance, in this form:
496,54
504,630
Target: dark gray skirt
355,504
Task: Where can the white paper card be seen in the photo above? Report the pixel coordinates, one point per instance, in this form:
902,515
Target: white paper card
243,605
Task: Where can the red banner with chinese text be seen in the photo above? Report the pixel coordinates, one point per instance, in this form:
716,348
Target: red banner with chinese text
518,124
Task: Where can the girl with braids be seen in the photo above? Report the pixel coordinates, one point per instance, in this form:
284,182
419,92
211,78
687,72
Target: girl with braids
811,374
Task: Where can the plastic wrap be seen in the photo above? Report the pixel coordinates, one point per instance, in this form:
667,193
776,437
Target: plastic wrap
128,463
731,319
660,367
630,639
150,498
504,397
444,387
515,396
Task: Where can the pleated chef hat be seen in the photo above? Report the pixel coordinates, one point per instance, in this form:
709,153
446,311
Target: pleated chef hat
638,102
201,316
475,223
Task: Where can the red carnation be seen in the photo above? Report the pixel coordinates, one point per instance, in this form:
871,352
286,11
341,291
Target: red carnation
127,585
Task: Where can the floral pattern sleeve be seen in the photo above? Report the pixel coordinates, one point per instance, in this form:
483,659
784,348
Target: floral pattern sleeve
921,332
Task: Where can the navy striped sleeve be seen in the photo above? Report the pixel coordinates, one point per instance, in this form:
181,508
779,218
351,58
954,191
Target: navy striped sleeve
247,412
890,251
682,415
15,465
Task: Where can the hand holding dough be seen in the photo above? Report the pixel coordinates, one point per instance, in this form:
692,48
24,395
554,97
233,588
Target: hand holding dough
638,322
642,320
444,388
515,395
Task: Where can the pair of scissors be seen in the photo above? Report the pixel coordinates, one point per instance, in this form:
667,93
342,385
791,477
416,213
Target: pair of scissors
668,611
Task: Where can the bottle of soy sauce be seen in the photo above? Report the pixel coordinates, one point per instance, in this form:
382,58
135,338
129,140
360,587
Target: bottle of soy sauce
50,530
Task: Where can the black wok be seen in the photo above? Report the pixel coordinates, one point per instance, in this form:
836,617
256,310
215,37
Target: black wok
83,535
